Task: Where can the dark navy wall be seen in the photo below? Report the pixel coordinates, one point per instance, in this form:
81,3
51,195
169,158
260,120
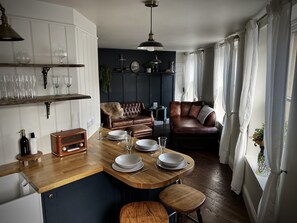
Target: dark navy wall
145,87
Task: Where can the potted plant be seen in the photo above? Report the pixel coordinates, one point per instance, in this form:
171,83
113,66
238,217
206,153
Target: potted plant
258,138
105,78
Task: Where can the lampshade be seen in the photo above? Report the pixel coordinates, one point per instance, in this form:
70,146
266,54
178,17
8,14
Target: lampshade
6,32
151,44
156,60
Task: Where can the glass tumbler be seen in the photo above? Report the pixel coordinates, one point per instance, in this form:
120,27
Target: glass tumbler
162,143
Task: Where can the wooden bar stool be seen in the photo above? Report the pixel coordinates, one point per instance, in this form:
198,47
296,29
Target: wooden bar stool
183,199
143,211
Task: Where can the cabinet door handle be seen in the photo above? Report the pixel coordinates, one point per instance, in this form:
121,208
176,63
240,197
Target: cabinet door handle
50,196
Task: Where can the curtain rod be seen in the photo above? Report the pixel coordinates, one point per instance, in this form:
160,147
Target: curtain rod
196,51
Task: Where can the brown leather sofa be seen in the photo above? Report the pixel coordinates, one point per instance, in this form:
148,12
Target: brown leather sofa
116,115
187,131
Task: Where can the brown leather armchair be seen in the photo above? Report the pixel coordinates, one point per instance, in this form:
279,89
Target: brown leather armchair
120,116
186,128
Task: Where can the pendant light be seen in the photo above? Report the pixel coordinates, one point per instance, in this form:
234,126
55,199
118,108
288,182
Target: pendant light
151,44
6,32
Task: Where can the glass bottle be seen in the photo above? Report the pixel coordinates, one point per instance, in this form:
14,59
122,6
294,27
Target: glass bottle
24,144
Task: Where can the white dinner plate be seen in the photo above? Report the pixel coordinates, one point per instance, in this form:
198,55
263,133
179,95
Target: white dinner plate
115,139
137,167
155,148
182,165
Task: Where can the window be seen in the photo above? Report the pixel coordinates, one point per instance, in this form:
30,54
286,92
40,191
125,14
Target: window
258,112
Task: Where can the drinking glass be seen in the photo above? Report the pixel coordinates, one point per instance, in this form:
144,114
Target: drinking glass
129,143
56,84
100,131
68,83
3,89
162,143
60,53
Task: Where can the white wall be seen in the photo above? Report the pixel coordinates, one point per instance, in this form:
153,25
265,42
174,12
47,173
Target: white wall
45,27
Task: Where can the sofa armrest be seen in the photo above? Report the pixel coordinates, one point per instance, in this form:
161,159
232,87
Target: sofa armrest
210,121
106,119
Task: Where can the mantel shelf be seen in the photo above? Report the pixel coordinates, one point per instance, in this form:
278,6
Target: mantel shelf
46,99
45,68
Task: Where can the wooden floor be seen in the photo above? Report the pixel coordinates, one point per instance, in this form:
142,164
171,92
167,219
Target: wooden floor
213,179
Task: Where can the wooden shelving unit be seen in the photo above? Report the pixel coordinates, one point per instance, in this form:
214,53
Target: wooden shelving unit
45,68
46,99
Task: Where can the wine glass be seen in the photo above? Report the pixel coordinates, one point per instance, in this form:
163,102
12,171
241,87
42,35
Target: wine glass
56,80
60,53
68,83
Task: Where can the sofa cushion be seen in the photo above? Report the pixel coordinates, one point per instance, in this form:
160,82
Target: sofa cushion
190,126
204,113
113,109
185,108
141,120
121,122
194,111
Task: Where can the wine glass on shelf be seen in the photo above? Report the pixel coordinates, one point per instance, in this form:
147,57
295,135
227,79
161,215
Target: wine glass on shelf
60,53
68,83
56,83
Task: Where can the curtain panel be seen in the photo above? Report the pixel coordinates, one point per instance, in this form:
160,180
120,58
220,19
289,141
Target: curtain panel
246,102
278,33
227,129
200,74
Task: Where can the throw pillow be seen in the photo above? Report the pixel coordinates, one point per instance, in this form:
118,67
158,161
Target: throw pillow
203,114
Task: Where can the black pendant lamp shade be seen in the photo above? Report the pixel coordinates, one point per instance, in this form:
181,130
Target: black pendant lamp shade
151,44
6,32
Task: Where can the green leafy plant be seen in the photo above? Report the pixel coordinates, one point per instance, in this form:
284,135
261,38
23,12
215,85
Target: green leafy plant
105,78
258,136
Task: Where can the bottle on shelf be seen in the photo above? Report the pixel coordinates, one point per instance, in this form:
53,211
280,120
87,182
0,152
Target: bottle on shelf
33,143
24,144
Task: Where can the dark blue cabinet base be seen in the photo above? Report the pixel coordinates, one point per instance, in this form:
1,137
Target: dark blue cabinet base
97,198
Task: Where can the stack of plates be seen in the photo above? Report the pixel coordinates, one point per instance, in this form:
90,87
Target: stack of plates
171,161
146,145
116,135
127,163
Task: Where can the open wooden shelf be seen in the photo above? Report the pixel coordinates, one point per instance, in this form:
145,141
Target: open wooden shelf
46,99
39,65
45,68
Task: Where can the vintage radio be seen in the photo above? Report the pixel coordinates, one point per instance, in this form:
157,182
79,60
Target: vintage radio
68,142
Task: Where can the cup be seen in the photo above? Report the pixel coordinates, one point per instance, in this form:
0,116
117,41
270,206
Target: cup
129,143
162,143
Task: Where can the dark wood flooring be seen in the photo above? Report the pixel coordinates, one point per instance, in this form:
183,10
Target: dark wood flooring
213,179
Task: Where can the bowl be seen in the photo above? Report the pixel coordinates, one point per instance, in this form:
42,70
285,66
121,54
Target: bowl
171,159
127,161
117,134
146,143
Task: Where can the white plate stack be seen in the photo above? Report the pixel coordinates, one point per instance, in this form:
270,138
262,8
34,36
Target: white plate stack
116,135
146,145
171,161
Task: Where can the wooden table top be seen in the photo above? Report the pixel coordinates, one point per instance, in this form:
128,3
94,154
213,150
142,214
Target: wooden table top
54,171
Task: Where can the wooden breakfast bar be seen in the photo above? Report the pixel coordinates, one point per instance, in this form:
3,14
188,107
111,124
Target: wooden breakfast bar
84,185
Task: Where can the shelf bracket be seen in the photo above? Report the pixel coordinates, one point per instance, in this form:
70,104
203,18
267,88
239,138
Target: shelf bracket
48,108
44,72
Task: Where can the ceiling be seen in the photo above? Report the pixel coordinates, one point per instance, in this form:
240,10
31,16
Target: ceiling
179,25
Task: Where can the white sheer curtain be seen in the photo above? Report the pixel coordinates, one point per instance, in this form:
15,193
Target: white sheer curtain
278,32
200,73
246,102
218,81
227,129
189,75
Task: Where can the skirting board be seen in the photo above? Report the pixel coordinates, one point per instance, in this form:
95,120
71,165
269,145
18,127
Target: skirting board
249,205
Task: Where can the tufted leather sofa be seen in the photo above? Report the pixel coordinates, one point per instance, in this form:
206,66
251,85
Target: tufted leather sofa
187,131
133,114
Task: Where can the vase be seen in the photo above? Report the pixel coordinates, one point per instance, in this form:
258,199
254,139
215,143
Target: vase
262,168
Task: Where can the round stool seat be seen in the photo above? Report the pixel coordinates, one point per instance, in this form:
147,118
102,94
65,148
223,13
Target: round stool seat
182,198
143,211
